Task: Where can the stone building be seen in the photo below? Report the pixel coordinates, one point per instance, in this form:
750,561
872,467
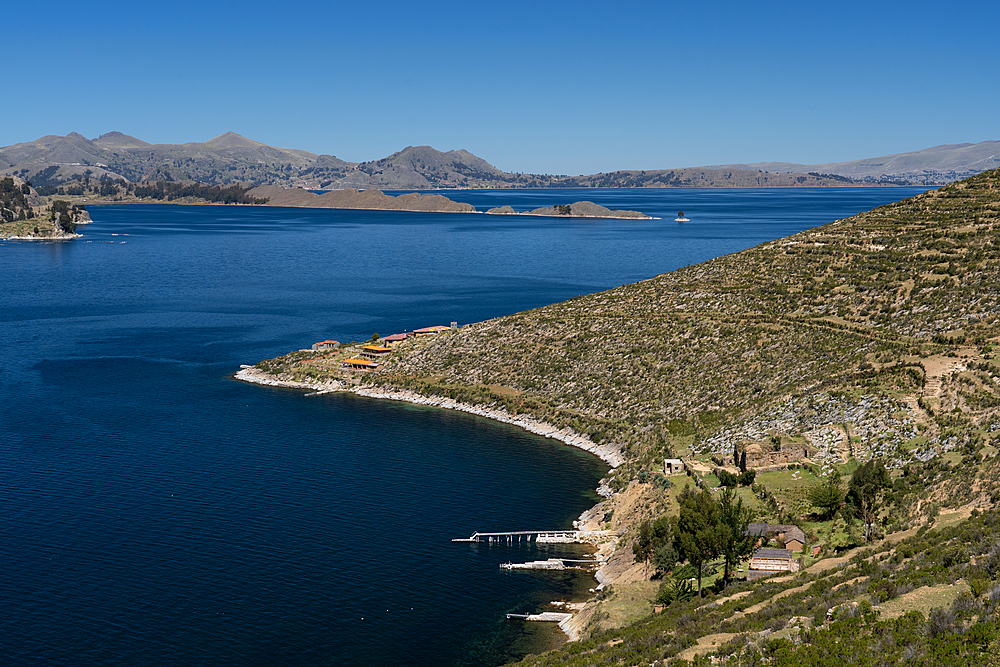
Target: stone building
768,453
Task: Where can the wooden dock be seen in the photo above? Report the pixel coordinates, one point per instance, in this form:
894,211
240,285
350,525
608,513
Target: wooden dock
550,564
511,537
550,616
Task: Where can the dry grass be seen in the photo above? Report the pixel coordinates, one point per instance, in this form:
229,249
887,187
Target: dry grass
923,599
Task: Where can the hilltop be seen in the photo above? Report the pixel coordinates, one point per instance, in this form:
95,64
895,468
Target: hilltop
53,163
872,339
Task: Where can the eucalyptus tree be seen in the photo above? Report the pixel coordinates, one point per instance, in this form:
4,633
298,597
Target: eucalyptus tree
737,543
698,529
865,492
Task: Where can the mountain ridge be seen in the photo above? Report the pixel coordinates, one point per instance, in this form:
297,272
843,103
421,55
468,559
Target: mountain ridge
931,166
53,160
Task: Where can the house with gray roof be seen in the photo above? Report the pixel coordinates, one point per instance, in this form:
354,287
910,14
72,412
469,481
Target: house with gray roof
765,562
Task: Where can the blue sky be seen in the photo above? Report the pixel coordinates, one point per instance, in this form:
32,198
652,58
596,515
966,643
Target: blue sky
549,87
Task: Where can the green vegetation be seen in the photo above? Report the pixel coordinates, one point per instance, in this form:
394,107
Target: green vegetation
826,497
828,329
14,203
108,189
24,213
865,492
223,194
838,616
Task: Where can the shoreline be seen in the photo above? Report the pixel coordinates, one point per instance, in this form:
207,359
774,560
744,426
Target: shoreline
62,237
571,627
610,455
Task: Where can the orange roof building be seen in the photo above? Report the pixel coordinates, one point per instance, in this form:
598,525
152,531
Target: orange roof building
360,364
375,351
431,330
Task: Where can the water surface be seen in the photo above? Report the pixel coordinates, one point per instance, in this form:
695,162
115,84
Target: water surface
158,512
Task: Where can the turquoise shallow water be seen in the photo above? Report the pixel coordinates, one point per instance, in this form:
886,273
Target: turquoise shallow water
158,512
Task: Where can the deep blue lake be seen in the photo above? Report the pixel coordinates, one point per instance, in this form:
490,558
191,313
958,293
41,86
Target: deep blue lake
157,512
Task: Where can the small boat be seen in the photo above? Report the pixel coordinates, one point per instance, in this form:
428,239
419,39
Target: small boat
680,217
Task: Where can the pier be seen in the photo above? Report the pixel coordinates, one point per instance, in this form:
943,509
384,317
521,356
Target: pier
550,564
511,537
551,616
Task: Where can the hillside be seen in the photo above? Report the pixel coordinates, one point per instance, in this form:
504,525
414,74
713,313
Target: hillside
858,301
26,215
939,164
52,162
869,340
700,177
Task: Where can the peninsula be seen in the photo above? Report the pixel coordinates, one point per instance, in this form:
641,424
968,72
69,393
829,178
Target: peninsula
786,377
26,215
365,199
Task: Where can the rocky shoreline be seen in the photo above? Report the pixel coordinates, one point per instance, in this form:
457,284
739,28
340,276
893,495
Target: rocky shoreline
610,455
60,237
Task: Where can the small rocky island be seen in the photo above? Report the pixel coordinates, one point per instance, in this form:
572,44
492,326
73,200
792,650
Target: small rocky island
378,200
580,209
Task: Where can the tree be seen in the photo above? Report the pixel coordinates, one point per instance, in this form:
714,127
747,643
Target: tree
698,530
665,558
727,478
827,496
737,543
865,492
743,461
654,536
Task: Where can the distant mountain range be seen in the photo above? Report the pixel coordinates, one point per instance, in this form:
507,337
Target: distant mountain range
54,161
931,166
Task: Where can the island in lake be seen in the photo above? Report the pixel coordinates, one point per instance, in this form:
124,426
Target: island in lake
273,195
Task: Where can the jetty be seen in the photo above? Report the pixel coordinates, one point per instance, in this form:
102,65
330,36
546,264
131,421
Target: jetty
551,616
549,564
540,537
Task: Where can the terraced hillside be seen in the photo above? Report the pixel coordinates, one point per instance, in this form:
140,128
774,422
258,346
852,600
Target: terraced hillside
873,338
883,300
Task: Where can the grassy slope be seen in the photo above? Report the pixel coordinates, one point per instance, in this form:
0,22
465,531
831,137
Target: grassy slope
783,621
861,304
882,325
